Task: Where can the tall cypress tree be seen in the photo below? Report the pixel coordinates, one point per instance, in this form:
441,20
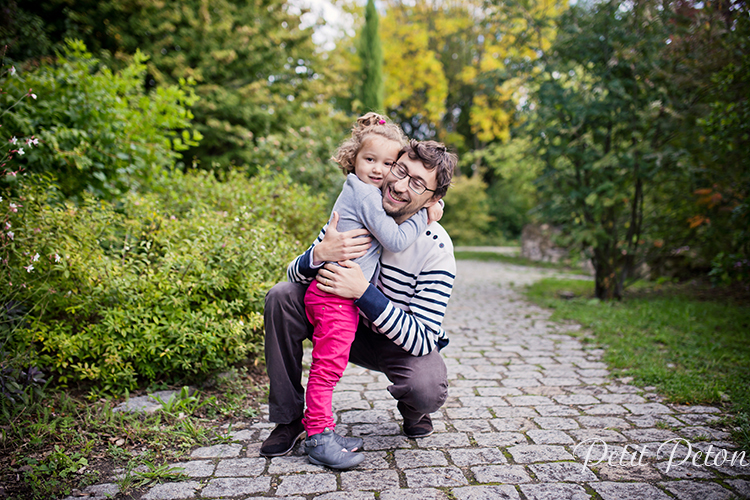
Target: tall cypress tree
371,55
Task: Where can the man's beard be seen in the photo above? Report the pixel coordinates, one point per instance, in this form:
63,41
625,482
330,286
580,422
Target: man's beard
405,211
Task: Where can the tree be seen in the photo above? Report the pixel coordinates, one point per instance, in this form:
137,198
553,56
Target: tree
713,55
256,71
604,128
726,197
371,57
415,84
458,71
455,69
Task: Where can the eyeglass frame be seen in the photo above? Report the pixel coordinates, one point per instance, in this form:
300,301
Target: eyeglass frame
406,174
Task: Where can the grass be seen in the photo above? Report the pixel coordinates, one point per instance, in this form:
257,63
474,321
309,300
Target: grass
65,442
692,348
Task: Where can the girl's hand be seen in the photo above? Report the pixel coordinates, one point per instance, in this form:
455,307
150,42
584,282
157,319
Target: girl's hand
434,212
337,246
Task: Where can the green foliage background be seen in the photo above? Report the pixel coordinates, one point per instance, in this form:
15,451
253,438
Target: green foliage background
582,117
176,157
166,285
99,130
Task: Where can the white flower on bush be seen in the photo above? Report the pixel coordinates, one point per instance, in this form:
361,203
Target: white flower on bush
11,235
7,223
20,151
29,268
35,257
13,208
12,71
13,140
57,258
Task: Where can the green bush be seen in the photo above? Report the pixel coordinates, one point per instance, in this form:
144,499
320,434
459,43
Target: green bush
164,286
466,216
97,130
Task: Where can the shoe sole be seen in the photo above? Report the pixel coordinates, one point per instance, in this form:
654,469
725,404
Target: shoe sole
282,453
414,436
334,466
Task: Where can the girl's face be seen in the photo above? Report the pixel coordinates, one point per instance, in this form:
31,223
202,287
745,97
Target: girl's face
374,160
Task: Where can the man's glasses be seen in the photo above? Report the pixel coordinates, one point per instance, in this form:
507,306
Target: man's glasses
399,171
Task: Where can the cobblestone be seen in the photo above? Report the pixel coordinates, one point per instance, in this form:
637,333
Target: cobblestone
532,414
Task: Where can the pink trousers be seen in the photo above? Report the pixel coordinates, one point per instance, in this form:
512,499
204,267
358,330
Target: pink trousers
334,321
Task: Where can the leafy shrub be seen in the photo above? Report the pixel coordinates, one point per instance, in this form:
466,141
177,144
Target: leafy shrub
163,286
305,154
466,216
97,129
269,196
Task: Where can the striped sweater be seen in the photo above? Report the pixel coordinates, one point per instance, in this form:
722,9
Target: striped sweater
412,293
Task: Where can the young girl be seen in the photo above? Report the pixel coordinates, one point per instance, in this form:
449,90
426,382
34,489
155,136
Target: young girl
366,157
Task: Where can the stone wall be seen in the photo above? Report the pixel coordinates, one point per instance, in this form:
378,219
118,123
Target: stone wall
537,243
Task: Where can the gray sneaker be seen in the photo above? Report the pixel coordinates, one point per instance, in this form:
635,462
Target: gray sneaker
349,443
326,449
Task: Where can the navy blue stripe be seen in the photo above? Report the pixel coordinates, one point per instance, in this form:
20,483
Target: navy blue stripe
399,326
398,271
426,318
438,292
413,338
397,301
435,282
396,290
432,301
425,273
391,278
446,273
388,318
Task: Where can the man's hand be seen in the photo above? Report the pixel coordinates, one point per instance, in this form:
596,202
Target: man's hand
345,280
336,247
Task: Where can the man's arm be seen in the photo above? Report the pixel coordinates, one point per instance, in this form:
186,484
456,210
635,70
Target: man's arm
329,246
300,270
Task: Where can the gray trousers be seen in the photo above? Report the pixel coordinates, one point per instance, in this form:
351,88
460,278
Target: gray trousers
419,382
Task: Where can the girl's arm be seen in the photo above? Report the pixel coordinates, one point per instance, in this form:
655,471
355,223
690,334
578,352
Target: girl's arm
435,212
392,236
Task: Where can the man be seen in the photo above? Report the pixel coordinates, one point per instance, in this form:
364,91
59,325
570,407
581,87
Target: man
400,333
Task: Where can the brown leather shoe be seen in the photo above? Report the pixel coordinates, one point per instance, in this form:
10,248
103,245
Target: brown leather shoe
282,439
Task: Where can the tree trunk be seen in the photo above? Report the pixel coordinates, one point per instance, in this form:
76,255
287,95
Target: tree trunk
606,279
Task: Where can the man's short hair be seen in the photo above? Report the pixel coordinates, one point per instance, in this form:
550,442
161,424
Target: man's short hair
433,155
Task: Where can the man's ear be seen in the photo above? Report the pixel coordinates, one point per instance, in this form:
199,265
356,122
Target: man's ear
432,201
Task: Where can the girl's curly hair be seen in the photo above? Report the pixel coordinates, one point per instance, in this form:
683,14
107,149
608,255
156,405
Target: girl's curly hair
370,123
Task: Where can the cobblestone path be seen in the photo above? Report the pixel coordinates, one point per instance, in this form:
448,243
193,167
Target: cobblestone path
531,412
